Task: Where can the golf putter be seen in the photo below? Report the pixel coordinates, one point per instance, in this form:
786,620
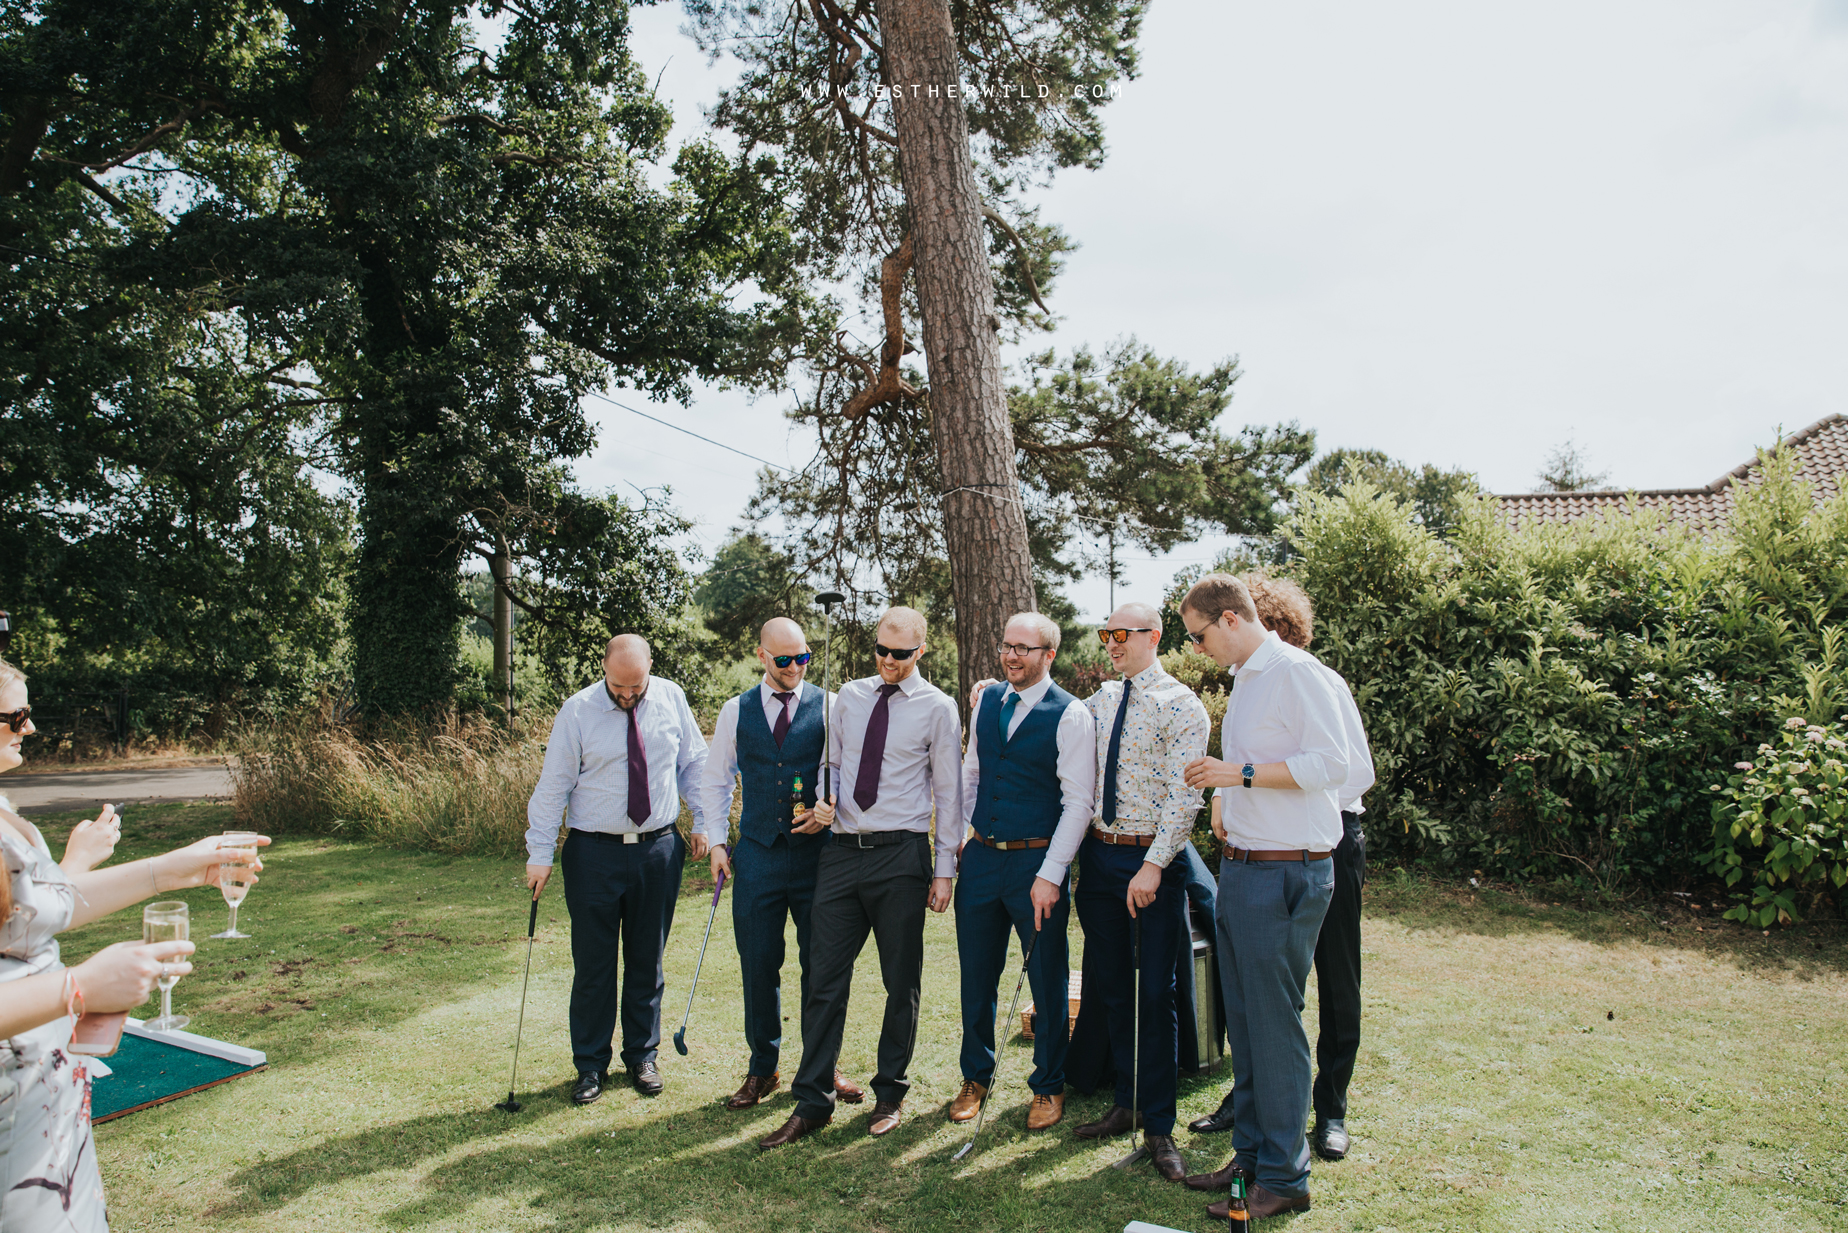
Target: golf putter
994,1080
680,1037
827,600
1135,1066
510,1105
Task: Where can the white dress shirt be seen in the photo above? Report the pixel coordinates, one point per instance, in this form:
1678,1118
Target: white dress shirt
1166,728
1077,769
921,770
722,759
585,780
1284,708
1360,754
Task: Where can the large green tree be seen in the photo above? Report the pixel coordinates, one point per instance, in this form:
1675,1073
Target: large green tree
403,243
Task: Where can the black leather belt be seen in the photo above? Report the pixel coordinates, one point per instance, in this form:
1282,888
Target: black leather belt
625,836
877,839
1010,845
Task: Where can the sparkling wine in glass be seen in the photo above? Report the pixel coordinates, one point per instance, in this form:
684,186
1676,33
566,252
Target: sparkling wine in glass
165,921
235,880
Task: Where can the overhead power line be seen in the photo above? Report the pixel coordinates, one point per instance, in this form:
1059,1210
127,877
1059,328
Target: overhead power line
689,432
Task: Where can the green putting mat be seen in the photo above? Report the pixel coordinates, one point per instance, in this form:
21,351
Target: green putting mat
152,1067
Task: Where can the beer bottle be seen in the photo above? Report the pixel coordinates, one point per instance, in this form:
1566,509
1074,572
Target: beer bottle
795,801
1237,1213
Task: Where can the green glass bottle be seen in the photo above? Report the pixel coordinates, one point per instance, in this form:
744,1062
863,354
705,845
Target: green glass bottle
1238,1215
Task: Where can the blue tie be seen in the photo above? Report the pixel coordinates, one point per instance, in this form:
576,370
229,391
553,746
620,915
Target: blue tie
1110,761
1007,714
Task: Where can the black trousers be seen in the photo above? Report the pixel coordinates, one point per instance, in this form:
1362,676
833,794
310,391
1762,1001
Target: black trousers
1337,977
884,891
621,899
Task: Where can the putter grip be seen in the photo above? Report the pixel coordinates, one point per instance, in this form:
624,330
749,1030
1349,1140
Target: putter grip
718,889
532,918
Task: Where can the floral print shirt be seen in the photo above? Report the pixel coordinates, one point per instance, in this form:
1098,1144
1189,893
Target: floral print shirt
1166,728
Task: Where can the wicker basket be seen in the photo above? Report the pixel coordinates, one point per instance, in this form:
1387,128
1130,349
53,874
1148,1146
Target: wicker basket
1071,1016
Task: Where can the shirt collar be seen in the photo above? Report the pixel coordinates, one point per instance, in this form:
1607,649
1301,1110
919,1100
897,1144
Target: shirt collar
770,690
910,685
1030,696
602,694
1269,651
1146,679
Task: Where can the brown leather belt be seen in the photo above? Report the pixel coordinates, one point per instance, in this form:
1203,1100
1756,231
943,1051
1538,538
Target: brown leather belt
1294,854
1010,845
1139,841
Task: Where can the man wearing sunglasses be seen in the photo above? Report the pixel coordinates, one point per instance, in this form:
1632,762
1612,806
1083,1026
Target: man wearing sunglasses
1287,758
1029,776
770,736
896,756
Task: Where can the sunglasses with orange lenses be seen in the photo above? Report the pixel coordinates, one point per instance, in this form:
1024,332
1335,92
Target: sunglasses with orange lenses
1120,635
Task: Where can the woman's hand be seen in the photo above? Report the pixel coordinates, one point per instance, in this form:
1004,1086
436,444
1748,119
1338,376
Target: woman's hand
199,864
92,842
120,977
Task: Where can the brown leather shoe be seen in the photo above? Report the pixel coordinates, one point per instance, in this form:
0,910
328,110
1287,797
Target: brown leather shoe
1260,1203
847,1091
793,1129
968,1102
1046,1112
1116,1122
886,1116
1166,1156
1220,1180
754,1089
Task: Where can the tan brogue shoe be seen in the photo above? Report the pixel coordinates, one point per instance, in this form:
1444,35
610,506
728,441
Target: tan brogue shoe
793,1129
886,1116
1046,1112
968,1102
754,1089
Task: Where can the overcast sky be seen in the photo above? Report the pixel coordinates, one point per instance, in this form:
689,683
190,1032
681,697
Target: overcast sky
1456,232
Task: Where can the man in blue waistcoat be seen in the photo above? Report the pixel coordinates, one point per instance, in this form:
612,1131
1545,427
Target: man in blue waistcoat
1029,776
771,736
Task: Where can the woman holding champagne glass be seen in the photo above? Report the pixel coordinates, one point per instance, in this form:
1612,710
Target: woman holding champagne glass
48,1173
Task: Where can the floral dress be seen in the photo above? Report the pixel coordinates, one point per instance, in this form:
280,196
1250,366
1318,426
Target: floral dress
48,1177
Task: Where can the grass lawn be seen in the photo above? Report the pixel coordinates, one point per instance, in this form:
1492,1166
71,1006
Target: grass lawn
1525,1066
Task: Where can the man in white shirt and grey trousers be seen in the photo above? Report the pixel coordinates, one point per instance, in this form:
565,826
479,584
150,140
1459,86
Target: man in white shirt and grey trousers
1286,760
897,749
622,754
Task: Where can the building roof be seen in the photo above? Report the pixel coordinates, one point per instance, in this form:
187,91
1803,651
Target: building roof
1822,459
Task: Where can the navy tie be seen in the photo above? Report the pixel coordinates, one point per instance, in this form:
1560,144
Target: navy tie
872,751
782,721
1007,714
1110,761
639,808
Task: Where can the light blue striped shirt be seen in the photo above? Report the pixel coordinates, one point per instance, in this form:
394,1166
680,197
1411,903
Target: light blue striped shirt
585,781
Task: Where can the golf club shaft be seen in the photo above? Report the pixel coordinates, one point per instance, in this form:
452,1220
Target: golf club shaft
532,926
827,680
1013,1008
698,967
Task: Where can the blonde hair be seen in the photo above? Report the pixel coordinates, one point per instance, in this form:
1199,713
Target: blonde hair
909,620
1043,625
1283,606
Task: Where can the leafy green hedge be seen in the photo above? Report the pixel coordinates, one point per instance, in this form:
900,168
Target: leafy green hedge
1561,701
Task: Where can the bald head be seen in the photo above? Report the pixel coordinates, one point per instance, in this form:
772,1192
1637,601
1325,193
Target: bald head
781,638
626,661
1137,649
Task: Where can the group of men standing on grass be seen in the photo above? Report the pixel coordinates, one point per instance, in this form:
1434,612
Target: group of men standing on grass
892,813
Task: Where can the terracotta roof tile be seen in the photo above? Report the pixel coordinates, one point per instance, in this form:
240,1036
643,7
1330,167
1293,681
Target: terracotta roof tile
1822,459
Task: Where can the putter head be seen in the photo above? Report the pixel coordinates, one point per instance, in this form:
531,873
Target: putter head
1134,1158
509,1105
963,1151
680,1042
827,599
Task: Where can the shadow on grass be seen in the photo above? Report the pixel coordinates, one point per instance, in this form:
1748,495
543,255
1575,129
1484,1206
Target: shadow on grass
1816,948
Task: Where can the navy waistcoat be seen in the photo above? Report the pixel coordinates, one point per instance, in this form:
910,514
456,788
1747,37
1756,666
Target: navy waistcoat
1017,791
769,773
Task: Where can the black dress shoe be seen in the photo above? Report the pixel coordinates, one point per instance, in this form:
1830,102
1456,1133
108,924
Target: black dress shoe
590,1085
1216,1122
1331,1139
1116,1122
646,1078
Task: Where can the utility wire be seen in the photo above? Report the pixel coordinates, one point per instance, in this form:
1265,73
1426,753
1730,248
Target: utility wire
689,432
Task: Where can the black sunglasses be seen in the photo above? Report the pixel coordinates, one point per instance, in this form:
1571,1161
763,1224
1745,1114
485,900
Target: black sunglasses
893,652
1121,635
1198,639
783,661
17,720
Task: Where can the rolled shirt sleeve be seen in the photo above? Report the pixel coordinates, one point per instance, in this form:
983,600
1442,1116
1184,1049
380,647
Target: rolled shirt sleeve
1321,764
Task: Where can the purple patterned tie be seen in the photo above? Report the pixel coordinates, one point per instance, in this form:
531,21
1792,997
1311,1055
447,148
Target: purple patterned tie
782,721
639,808
872,751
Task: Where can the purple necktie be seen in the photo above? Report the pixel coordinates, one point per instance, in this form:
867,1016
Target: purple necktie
782,721
639,808
872,751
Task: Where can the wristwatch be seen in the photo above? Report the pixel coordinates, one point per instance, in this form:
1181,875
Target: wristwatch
1248,771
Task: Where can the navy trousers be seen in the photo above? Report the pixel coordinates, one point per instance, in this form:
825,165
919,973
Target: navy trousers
775,882
1337,977
621,899
1110,945
992,900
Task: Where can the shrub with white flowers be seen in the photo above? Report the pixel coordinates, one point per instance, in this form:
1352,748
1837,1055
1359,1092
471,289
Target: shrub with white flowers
1782,818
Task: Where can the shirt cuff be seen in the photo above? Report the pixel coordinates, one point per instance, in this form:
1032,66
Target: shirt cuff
1053,871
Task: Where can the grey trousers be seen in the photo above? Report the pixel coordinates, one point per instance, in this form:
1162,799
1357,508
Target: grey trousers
884,891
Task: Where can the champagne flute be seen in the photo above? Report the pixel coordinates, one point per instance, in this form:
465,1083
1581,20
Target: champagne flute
234,880
165,921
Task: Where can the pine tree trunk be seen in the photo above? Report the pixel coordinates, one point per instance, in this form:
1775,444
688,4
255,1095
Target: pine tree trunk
984,524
